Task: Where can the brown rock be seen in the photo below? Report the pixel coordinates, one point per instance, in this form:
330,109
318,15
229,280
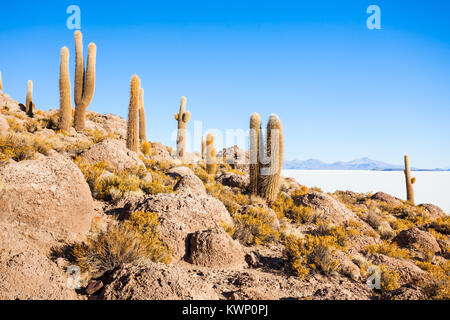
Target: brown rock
93,287
384,197
113,151
407,270
50,193
189,182
434,211
155,281
4,126
417,239
181,215
406,292
214,248
234,180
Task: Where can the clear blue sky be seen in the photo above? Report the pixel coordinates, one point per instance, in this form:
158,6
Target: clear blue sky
341,90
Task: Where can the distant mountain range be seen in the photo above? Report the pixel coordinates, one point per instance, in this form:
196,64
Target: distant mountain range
359,164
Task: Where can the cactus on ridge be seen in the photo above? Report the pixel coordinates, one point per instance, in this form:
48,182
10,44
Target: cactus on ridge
409,181
1,83
270,174
203,147
211,165
65,103
29,106
84,80
142,134
183,118
255,139
132,128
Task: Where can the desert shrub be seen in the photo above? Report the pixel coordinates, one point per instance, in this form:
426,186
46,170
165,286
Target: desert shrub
389,279
338,232
441,225
98,136
160,183
254,227
203,175
146,148
232,200
374,220
78,147
32,125
157,165
437,284
14,125
388,249
121,243
22,146
285,206
313,253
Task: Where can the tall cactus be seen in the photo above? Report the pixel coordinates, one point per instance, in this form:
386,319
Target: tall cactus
1,83
255,139
203,147
142,134
211,165
270,175
65,103
29,106
84,80
409,181
132,129
183,118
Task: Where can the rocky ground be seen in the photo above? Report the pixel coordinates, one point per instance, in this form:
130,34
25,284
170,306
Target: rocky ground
149,226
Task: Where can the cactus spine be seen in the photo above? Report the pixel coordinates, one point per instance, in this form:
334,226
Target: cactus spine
211,165
1,83
142,134
84,80
132,129
255,139
203,147
65,104
183,118
409,181
29,106
270,175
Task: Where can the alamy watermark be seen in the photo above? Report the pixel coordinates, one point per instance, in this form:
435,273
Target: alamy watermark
74,20
374,21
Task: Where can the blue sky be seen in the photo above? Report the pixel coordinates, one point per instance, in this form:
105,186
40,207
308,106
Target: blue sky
341,90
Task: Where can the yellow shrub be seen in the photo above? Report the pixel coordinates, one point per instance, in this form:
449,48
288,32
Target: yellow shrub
22,146
389,279
313,253
232,200
146,147
285,206
437,284
388,249
98,135
122,243
254,227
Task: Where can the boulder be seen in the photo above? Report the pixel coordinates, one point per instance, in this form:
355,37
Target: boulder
415,238
188,182
234,180
50,193
384,197
160,153
156,281
181,215
334,211
215,248
32,276
434,211
114,152
289,185
407,270
405,292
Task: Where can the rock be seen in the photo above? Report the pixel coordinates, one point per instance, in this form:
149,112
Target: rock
236,157
415,238
114,152
234,180
384,197
160,153
156,281
333,210
252,260
214,248
109,123
406,292
346,266
32,276
188,182
289,185
252,294
181,215
408,271
434,211
49,194
93,287
275,224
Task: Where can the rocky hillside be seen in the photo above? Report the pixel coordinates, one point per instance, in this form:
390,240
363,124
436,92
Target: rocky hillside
81,210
